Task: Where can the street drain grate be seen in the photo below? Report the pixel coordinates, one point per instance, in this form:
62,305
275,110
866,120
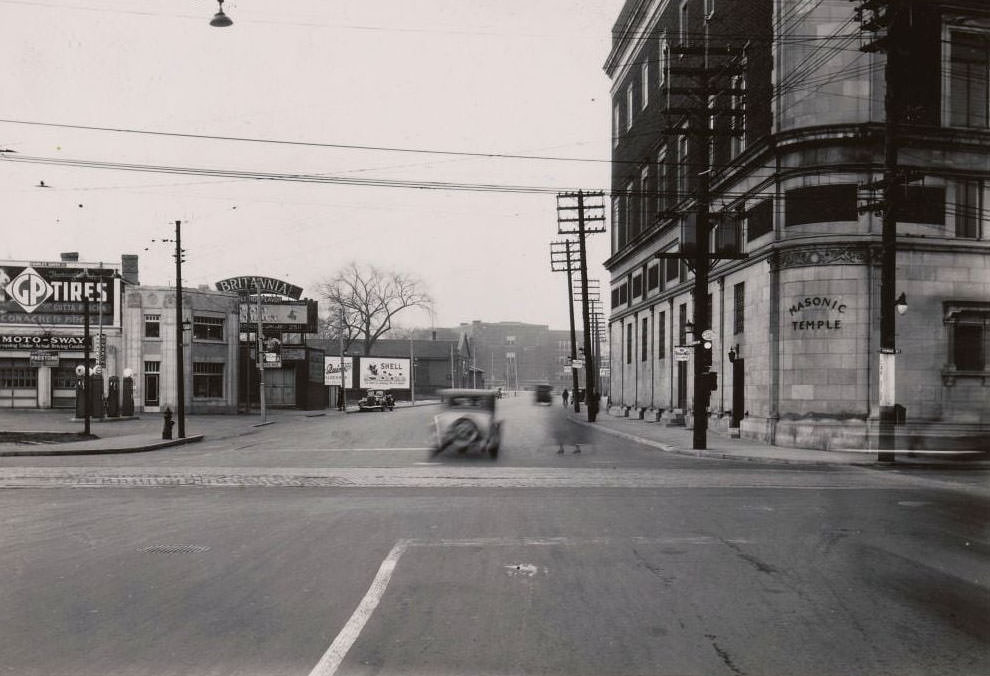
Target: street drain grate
174,549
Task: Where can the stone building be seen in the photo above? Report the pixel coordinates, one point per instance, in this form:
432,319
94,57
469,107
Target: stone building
210,348
792,141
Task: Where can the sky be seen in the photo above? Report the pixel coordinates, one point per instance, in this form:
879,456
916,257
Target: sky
310,86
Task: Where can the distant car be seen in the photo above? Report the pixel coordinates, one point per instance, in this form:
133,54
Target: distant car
543,394
374,401
467,423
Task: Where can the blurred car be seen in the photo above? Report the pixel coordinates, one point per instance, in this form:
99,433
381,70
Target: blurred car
467,423
543,394
374,401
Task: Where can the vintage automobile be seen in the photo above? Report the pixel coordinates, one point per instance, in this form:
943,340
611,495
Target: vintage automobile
543,394
374,401
467,423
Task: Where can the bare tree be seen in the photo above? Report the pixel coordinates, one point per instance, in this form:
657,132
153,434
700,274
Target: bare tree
370,298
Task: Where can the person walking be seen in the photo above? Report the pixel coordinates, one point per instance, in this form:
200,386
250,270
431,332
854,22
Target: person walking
564,396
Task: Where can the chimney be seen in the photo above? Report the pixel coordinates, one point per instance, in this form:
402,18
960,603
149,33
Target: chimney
70,256
129,268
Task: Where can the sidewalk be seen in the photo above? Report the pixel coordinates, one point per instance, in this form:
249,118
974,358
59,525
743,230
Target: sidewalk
680,440
139,433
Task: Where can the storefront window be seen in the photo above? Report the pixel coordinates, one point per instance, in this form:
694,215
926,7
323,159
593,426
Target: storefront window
17,375
207,380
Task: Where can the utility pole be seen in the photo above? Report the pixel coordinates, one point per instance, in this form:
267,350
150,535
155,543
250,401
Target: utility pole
412,372
343,368
261,355
875,16
180,329
696,242
86,382
583,214
567,265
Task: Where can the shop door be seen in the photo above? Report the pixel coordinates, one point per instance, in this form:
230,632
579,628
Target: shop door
64,380
738,388
682,385
280,387
18,384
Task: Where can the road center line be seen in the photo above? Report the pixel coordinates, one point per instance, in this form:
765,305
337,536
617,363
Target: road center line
332,658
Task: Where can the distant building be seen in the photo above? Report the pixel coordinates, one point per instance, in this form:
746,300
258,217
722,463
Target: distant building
523,355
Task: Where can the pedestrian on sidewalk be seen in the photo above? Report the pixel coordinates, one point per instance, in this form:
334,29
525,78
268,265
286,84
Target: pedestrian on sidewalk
564,395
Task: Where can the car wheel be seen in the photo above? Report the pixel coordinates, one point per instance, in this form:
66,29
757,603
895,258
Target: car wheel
464,431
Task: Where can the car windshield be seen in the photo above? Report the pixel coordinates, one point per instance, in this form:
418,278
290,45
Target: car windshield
471,401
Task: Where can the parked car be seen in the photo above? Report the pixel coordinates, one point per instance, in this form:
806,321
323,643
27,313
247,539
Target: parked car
374,401
543,394
467,423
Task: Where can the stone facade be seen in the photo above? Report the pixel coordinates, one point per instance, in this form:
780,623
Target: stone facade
796,320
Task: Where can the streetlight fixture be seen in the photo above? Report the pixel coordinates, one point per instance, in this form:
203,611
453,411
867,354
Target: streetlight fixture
220,20
901,304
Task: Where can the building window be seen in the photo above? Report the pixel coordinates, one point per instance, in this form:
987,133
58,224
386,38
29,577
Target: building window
637,286
644,198
644,85
682,321
967,209
16,377
967,87
616,122
683,175
922,204
152,326
820,204
152,371
682,24
623,293
207,380
630,105
738,307
673,270
615,297
759,220
510,340
967,325
662,335
662,183
632,212
652,277
663,62
208,328
737,117
629,335
645,342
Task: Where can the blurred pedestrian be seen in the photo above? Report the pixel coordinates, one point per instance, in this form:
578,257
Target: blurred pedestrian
564,395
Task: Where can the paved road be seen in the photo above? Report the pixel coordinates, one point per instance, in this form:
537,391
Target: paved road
316,552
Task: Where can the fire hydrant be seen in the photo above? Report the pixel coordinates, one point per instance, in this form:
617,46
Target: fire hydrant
167,428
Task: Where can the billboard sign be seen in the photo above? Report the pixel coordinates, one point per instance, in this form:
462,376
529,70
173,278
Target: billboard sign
288,316
384,373
331,369
53,293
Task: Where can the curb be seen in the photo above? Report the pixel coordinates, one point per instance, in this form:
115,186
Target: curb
153,446
717,455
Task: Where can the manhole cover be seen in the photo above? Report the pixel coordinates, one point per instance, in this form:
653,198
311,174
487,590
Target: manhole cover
174,549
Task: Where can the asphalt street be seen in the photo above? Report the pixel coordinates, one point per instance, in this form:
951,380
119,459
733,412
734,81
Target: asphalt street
335,545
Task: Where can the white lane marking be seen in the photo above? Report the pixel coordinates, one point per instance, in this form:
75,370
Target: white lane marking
332,658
